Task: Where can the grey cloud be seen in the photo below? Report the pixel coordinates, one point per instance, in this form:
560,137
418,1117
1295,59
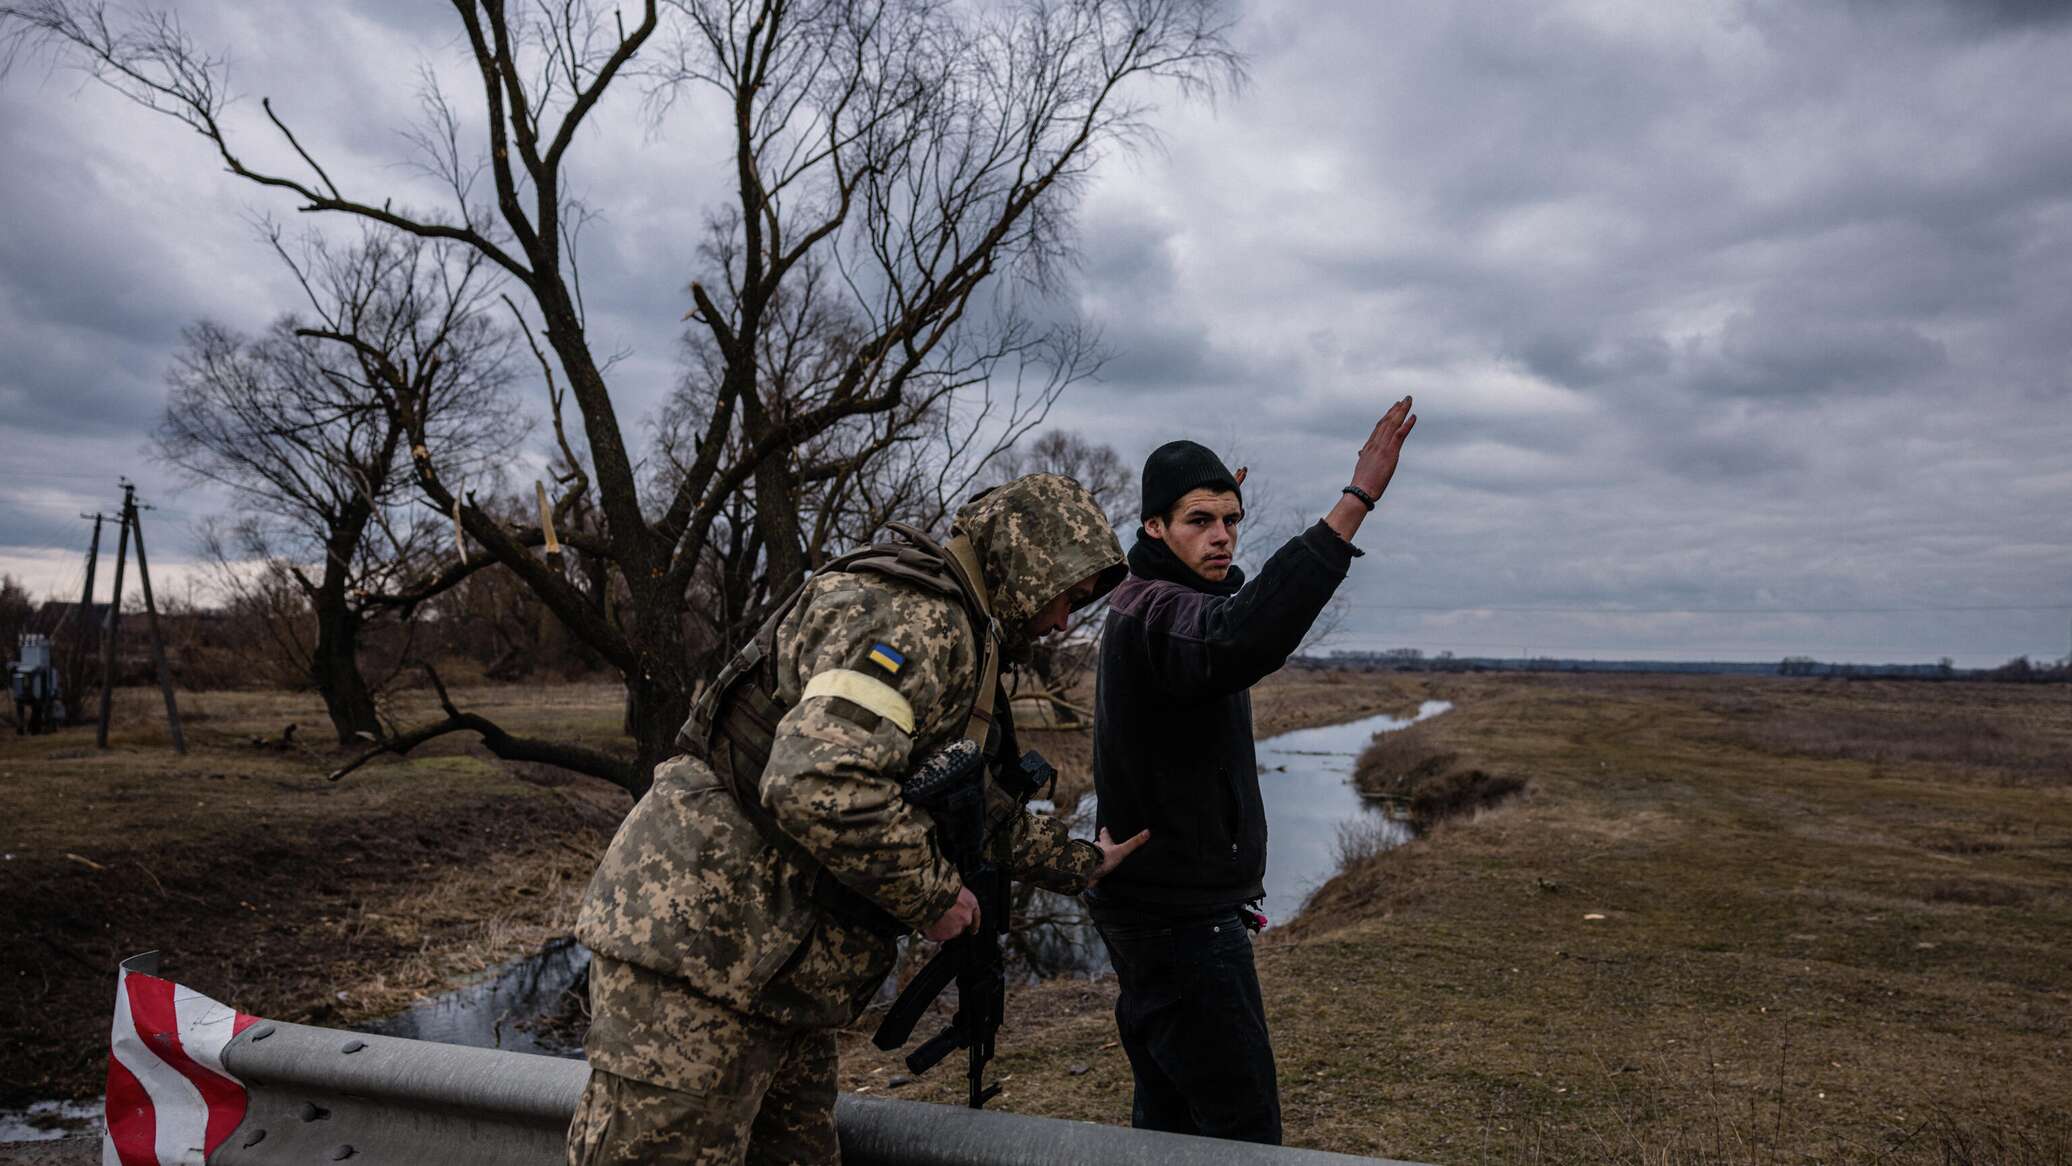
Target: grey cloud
1584,359
1980,16
1129,254
1154,354
2014,13
1146,316
1738,303
1769,354
1727,457
1774,206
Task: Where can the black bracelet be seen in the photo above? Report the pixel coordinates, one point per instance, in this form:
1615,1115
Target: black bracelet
1362,495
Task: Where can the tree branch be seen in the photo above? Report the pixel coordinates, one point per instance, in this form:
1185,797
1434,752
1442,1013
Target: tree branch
577,758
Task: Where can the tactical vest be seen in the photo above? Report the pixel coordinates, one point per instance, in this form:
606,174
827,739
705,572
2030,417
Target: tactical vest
733,726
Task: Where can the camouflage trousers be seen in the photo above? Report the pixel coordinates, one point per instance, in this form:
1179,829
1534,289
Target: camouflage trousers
679,1080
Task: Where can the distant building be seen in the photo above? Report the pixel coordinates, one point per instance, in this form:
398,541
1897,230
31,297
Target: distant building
53,613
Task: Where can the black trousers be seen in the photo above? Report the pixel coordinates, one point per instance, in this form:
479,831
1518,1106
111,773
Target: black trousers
1195,1030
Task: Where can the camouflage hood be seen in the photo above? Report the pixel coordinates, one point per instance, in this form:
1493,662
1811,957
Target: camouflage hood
1036,536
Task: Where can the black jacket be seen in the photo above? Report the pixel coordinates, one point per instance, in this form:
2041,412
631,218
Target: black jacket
1173,720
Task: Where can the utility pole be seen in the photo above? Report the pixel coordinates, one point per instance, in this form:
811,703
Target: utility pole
75,665
108,637
165,674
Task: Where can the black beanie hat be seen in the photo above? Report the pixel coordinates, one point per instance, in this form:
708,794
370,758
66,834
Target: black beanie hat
1177,467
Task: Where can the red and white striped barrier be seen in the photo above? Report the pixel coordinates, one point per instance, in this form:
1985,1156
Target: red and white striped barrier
170,1101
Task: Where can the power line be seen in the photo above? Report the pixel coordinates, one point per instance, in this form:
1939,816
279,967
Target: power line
46,534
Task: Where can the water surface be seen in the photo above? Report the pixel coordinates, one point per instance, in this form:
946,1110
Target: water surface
1305,780
47,1121
501,1009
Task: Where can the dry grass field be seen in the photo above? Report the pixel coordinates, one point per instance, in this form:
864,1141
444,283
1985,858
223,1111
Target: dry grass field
1727,920
1723,920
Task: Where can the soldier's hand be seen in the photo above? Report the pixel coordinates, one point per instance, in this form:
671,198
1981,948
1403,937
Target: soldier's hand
1113,852
960,919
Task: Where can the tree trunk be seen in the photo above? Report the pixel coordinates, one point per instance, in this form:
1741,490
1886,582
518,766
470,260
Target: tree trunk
658,698
653,719
334,664
334,667
777,517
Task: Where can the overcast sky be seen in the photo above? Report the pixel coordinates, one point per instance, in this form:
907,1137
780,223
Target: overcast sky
1737,329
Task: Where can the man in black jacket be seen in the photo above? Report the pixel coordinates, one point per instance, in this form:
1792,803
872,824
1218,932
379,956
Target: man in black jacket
1186,638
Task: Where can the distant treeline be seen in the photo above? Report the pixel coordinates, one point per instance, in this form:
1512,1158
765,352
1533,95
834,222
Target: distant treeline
490,630
2018,670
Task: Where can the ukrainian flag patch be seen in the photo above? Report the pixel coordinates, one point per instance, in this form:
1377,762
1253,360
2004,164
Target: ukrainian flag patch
886,657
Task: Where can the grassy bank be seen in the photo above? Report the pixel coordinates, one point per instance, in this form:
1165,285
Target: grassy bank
1704,932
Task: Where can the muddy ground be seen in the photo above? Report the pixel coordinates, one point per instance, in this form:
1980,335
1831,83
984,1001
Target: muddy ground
265,884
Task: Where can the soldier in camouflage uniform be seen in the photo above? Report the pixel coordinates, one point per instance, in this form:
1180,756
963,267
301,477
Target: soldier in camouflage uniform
720,976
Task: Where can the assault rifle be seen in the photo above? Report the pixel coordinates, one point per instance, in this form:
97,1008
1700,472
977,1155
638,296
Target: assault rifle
951,786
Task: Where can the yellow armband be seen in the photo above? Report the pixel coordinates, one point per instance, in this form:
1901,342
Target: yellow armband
868,691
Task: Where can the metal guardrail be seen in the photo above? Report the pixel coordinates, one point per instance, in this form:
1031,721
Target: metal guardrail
884,1132
322,1095
190,1078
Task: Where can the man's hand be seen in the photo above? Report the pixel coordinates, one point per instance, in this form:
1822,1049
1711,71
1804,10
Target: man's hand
1113,852
1377,462
960,919
1372,472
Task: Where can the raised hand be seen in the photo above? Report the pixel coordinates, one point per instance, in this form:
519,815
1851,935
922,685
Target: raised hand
1377,462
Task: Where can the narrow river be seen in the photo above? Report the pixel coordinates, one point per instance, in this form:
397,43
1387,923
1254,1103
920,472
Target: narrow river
1305,778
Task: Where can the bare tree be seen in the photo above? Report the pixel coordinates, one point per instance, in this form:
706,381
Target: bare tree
1094,465
498,624
305,435
913,463
919,151
258,597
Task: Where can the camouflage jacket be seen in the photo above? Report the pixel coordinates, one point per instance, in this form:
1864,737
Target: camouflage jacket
689,890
